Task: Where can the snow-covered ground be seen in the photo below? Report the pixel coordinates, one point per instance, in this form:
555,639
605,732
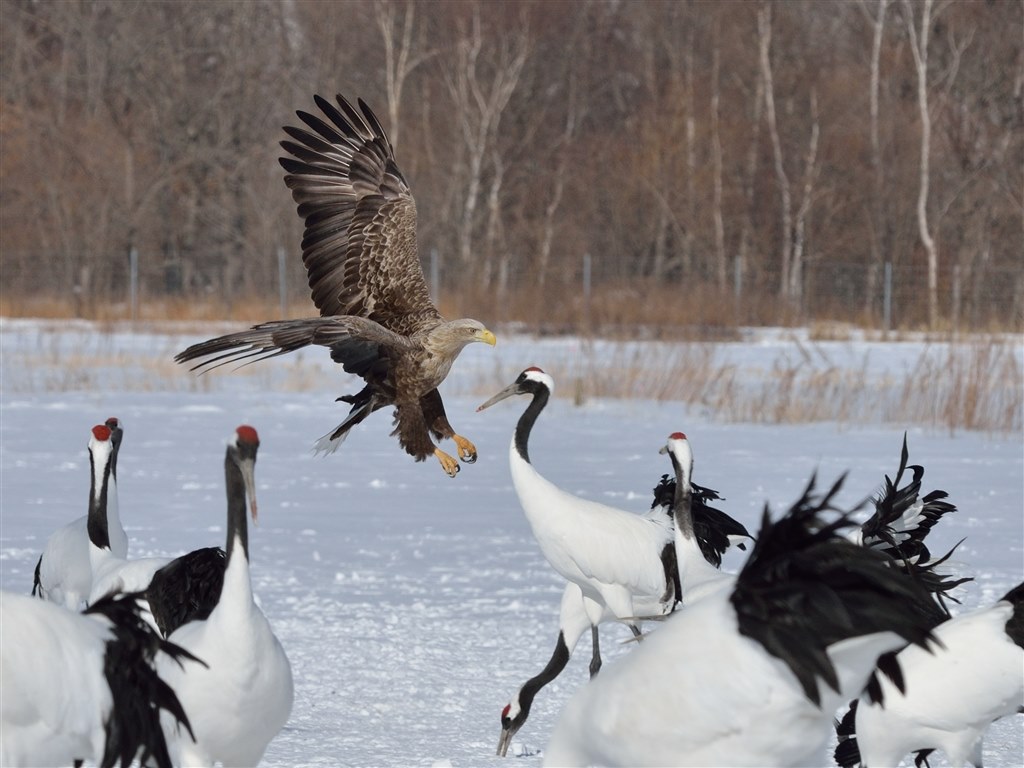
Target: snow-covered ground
413,605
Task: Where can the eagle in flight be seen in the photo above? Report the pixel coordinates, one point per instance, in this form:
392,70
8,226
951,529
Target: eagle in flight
376,317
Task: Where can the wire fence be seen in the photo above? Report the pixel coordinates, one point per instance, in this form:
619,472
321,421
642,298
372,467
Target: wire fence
886,296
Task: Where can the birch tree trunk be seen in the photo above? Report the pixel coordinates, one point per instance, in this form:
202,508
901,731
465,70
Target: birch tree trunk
807,198
478,107
716,158
751,174
691,158
551,209
764,29
399,59
919,49
877,211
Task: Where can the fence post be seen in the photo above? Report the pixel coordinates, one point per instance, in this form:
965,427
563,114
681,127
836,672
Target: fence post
737,287
282,281
956,299
586,293
133,281
887,298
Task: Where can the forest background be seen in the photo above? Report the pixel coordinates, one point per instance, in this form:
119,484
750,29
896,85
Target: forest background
597,164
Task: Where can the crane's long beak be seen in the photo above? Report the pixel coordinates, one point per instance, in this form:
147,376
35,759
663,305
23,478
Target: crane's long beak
508,391
505,740
248,467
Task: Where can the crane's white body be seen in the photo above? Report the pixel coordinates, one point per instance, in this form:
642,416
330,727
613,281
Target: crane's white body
113,574
243,699
65,572
613,556
55,696
698,693
974,676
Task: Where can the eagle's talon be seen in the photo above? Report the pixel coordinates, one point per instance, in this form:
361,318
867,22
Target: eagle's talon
466,450
448,464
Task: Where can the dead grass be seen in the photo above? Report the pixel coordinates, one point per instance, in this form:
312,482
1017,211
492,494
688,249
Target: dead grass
154,311
976,384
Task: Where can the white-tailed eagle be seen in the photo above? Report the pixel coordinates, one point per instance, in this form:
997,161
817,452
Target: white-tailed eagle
376,317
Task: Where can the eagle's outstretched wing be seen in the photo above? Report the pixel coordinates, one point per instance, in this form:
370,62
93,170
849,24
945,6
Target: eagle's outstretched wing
359,245
361,346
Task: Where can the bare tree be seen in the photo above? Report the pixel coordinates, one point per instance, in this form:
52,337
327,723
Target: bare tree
688,137
793,227
757,101
400,57
919,49
716,158
478,107
551,209
764,32
795,288
877,219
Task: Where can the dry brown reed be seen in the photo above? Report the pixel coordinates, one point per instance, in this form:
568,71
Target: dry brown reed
973,384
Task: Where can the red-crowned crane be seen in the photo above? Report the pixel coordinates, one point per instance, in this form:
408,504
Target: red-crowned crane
616,558
714,532
63,574
244,697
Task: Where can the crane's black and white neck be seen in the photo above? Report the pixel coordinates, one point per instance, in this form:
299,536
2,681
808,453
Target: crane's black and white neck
533,381
101,464
697,577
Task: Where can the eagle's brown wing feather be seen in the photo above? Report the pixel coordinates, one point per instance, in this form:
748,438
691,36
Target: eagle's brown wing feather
360,345
359,245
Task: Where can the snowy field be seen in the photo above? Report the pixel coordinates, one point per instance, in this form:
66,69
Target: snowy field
413,605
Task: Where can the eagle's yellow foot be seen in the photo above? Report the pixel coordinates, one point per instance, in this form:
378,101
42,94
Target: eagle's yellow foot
467,451
448,464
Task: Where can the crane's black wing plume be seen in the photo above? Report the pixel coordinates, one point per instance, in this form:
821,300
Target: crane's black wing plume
712,527
805,587
187,588
137,691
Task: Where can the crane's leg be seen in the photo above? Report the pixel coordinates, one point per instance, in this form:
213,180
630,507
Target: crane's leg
595,659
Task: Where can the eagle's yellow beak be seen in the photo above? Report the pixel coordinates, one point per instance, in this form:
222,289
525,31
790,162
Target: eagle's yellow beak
486,337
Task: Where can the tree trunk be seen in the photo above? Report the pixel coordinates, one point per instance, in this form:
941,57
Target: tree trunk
764,28
919,49
716,157
691,159
477,111
399,60
807,198
877,228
